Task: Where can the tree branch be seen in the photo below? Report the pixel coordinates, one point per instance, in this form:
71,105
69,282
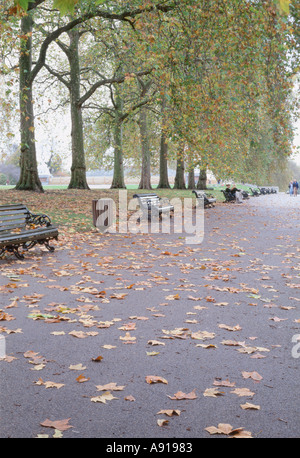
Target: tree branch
161,6
108,81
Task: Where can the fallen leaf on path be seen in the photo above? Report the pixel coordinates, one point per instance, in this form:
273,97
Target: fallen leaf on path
213,392
49,384
110,387
98,359
155,342
162,422
61,425
155,379
254,375
206,346
225,428
127,337
248,405
180,395
169,412
202,335
81,378
129,398
107,396
77,367
224,383
230,328
243,392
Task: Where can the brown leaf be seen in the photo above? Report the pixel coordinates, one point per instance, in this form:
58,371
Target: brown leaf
81,378
155,379
162,422
225,428
155,342
230,328
212,392
107,396
243,392
180,395
61,425
169,412
224,383
127,337
98,359
129,398
254,375
248,405
110,387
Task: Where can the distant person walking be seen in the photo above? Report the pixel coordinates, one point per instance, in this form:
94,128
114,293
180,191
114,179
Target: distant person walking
295,188
291,189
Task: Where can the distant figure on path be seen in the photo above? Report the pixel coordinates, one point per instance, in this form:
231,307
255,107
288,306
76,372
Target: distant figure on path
291,189
295,188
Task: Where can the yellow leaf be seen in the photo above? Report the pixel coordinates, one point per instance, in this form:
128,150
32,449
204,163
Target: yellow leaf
107,396
284,6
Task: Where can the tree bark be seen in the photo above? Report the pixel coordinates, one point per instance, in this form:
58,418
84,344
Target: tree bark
179,178
78,167
118,181
29,178
145,182
202,179
163,154
191,179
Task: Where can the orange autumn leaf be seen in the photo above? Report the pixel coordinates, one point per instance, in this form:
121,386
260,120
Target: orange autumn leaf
155,379
81,378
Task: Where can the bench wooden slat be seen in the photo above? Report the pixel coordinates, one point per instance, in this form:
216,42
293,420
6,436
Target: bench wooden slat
9,227
19,227
151,203
11,217
28,235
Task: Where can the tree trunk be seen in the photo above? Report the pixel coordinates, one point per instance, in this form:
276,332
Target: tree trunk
78,168
179,178
29,178
118,181
202,179
163,154
145,182
191,179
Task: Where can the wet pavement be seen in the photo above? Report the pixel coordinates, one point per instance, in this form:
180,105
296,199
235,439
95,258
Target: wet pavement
216,326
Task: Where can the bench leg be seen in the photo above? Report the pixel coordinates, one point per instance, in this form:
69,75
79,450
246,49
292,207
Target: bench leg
49,247
17,254
15,251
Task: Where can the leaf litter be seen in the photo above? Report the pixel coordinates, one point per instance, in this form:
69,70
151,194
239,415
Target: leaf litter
93,294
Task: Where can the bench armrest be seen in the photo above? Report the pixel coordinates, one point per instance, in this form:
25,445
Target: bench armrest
40,220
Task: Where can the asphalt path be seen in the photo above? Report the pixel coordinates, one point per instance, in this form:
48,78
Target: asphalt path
216,322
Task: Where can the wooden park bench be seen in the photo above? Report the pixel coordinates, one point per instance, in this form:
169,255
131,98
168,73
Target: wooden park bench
21,228
208,200
152,205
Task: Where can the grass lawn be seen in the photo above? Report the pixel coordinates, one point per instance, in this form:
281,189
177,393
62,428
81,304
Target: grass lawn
72,208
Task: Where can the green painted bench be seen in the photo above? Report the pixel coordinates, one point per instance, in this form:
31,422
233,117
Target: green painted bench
21,228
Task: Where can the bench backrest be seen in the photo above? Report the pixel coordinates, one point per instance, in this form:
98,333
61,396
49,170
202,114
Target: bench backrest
147,200
13,217
200,194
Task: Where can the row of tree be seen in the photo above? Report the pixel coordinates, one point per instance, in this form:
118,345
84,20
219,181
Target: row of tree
206,83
